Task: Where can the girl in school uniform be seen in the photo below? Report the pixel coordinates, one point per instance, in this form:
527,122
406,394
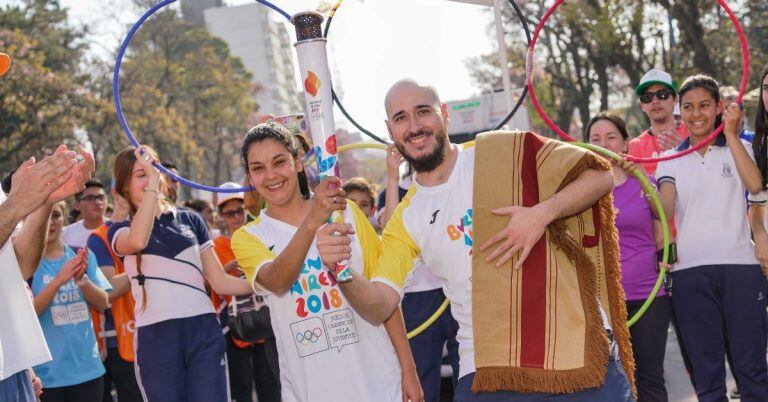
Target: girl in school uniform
168,255
719,292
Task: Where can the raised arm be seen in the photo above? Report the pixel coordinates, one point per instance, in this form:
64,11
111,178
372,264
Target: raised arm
374,301
30,242
279,275
137,237
394,160
35,188
745,165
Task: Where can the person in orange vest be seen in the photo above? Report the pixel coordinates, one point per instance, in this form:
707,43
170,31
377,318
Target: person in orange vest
115,326
247,361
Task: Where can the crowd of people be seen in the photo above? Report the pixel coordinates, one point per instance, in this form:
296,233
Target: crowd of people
156,300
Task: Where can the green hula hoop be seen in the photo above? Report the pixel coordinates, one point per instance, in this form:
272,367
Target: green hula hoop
649,189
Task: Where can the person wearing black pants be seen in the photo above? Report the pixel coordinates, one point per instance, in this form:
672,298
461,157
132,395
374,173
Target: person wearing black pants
87,391
649,342
638,227
256,362
122,375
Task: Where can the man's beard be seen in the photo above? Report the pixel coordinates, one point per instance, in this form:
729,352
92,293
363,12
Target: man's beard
429,162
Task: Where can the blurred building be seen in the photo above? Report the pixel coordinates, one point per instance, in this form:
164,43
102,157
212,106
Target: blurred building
261,42
468,117
193,9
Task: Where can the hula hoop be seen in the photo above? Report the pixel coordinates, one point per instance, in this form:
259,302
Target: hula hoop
565,136
119,106
649,189
504,121
416,331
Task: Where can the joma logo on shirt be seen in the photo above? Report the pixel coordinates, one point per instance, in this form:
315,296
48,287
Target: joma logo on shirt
462,230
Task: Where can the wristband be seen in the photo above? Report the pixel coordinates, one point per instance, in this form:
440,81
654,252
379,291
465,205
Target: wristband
83,281
672,254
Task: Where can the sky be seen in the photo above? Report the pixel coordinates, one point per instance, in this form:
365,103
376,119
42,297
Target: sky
372,44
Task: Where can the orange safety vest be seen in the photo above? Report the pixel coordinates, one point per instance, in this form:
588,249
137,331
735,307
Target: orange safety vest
122,311
223,247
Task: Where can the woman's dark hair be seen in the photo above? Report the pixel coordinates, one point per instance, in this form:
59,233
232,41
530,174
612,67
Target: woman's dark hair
281,135
706,83
616,120
760,142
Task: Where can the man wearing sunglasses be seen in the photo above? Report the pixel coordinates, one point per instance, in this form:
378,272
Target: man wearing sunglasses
658,96
92,204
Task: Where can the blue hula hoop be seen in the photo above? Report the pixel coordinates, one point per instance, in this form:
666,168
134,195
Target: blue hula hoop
119,106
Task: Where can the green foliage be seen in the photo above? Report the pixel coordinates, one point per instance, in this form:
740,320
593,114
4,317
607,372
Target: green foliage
591,53
183,93
42,99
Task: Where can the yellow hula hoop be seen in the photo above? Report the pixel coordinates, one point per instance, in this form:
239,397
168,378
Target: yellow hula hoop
429,320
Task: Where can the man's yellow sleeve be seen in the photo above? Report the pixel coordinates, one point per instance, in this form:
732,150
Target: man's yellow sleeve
251,254
398,250
369,240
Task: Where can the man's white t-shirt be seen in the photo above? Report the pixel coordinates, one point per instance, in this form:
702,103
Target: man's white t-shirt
76,234
420,279
327,351
22,343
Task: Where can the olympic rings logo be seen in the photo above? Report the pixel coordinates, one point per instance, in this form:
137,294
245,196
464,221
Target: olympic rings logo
307,337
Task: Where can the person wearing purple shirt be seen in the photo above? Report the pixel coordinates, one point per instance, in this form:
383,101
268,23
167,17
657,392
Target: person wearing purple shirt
636,222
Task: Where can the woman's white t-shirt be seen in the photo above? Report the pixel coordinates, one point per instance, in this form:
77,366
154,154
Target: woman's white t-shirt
327,352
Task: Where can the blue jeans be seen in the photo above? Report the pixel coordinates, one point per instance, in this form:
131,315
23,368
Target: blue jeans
615,389
17,388
427,347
